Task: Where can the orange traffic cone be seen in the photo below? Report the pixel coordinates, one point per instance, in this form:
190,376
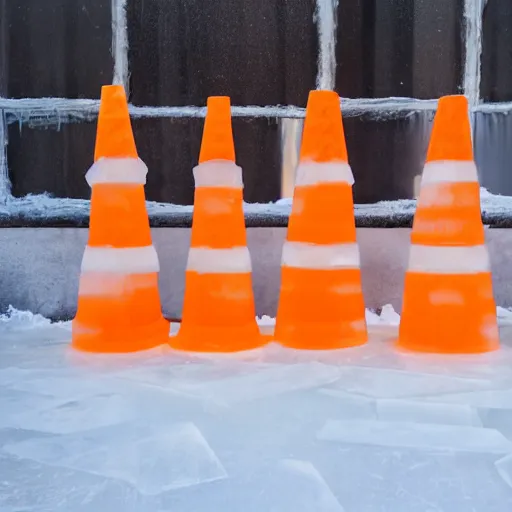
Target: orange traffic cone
321,304
218,309
118,304
448,303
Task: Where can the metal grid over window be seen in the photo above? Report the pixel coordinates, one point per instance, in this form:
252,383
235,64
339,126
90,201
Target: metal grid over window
389,60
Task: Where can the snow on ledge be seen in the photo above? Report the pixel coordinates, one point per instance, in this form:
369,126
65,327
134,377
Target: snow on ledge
44,206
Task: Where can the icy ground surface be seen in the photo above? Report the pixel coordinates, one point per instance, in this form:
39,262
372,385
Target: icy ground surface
360,430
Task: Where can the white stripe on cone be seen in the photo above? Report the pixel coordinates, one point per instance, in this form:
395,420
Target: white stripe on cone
130,171
218,174
449,260
133,260
236,260
449,171
320,257
101,284
316,173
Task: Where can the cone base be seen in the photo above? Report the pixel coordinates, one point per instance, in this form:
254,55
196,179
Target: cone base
448,314
111,341
414,346
318,337
208,339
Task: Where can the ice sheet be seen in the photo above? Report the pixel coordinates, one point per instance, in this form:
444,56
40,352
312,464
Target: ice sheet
416,435
494,398
386,383
166,431
311,490
504,467
420,412
152,460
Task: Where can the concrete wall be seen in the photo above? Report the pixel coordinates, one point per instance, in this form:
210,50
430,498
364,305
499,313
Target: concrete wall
40,267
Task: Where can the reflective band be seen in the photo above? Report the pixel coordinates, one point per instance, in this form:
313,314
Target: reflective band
133,260
449,260
113,284
117,170
449,171
218,174
441,195
320,257
315,173
219,261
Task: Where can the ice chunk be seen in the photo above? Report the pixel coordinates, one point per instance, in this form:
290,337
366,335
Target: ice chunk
499,419
272,381
504,467
416,435
504,316
27,486
61,383
243,382
152,460
384,383
301,488
63,417
495,398
351,406
15,319
389,316
420,412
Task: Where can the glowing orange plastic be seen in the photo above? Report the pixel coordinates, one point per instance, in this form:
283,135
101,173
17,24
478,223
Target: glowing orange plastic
126,319
324,137
219,313
465,323
322,309
114,136
118,312
217,142
441,312
451,131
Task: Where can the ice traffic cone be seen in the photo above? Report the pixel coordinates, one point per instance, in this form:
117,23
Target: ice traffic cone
448,302
321,304
118,300
218,309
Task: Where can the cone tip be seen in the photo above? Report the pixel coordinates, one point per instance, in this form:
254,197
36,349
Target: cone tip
217,142
114,137
218,102
323,99
324,137
453,100
451,131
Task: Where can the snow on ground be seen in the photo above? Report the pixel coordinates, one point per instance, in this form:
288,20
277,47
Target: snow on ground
367,429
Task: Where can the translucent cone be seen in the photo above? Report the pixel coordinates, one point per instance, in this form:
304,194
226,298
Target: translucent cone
448,303
321,304
218,309
118,300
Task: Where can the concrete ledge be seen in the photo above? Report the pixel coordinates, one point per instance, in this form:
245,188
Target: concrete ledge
49,212
39,268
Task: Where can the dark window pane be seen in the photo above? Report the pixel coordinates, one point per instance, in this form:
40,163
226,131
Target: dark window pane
496,84
58,47
258,52
410,48
50,159
493,152
170,148
387,155
3,47
54,159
